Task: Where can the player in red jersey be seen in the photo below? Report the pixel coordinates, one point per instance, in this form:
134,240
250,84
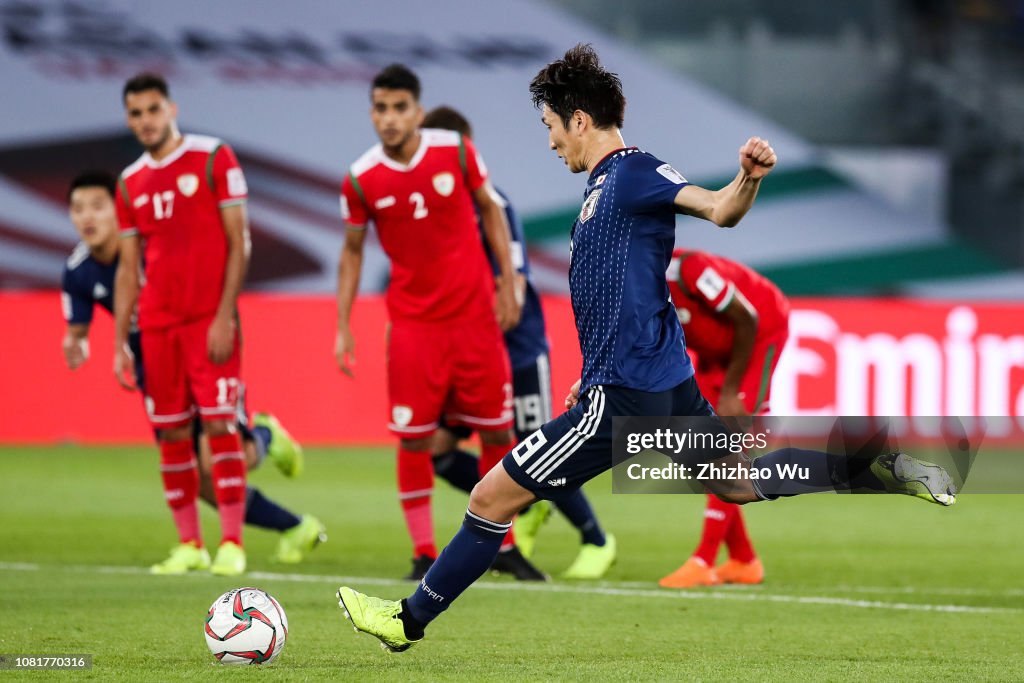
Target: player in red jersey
737,322
181,207
446,354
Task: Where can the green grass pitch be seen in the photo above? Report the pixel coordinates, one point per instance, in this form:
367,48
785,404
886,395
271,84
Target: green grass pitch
865,587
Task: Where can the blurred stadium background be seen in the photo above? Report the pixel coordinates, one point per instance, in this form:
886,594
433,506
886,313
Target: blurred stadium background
897,122
895,221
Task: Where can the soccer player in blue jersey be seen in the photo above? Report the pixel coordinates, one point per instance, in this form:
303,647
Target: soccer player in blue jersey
88,280
634,359
527,346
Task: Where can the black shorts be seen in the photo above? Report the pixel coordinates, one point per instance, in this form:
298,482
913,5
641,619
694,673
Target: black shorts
576,446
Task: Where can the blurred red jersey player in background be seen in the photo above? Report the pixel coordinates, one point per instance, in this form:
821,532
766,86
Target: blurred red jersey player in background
182,212
737,322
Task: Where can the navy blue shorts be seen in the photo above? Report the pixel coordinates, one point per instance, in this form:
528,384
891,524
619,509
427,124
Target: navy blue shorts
576,446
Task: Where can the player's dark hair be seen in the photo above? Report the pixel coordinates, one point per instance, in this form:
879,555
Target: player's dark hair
447,118
397,77
94,178
578,81
144,81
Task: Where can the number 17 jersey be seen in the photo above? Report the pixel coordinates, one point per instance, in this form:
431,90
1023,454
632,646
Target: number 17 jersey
427,225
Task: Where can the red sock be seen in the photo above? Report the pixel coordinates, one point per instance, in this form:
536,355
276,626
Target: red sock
415,485
737,540
181,487
490,456
717,516
228,472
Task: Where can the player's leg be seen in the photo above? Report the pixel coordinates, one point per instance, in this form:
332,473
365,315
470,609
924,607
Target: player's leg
481,398
743,565
561,456
170,413
458,467
418,372
872,468
699,569
532,389
214,388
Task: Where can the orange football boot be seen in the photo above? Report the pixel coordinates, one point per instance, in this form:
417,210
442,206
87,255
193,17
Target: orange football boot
734,571
694,573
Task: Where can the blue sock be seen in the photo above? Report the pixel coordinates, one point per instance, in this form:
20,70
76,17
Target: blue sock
816,472
577,510
464,560
459,468
261,436
262,512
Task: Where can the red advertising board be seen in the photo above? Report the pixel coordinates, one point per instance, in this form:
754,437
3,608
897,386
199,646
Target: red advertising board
849,356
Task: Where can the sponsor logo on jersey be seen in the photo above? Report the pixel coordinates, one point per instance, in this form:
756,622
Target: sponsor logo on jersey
444,183
590,206
385,202
140,201
600,179
99,291
671,174
401,415
188,184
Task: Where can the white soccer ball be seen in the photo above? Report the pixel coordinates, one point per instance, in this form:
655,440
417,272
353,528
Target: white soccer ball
246,626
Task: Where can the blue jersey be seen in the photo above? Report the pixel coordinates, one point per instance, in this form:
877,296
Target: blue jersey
86,282
527,340
620,247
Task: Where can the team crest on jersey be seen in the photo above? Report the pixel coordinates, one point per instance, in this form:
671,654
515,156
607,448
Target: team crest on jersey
401,415
188,184
444,183
590,206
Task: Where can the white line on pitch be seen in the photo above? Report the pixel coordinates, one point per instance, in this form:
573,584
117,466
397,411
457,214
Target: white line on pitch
606,588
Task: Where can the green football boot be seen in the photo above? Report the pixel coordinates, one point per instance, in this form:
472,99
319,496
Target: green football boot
901,473
377,617
284,451
230,560
593,561
184,558
527,525
300,540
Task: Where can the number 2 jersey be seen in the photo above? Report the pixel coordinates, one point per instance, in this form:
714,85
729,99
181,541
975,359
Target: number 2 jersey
426,221
174,206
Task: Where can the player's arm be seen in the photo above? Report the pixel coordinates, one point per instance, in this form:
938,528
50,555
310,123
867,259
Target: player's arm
350,266
77,309
496,231
743,318
725,207
220,340
126,293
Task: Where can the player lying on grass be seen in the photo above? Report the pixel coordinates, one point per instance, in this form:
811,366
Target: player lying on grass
634,358
88,280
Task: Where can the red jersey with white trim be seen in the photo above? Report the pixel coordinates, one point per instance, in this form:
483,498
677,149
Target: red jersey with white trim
174,206
426,220
702,285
